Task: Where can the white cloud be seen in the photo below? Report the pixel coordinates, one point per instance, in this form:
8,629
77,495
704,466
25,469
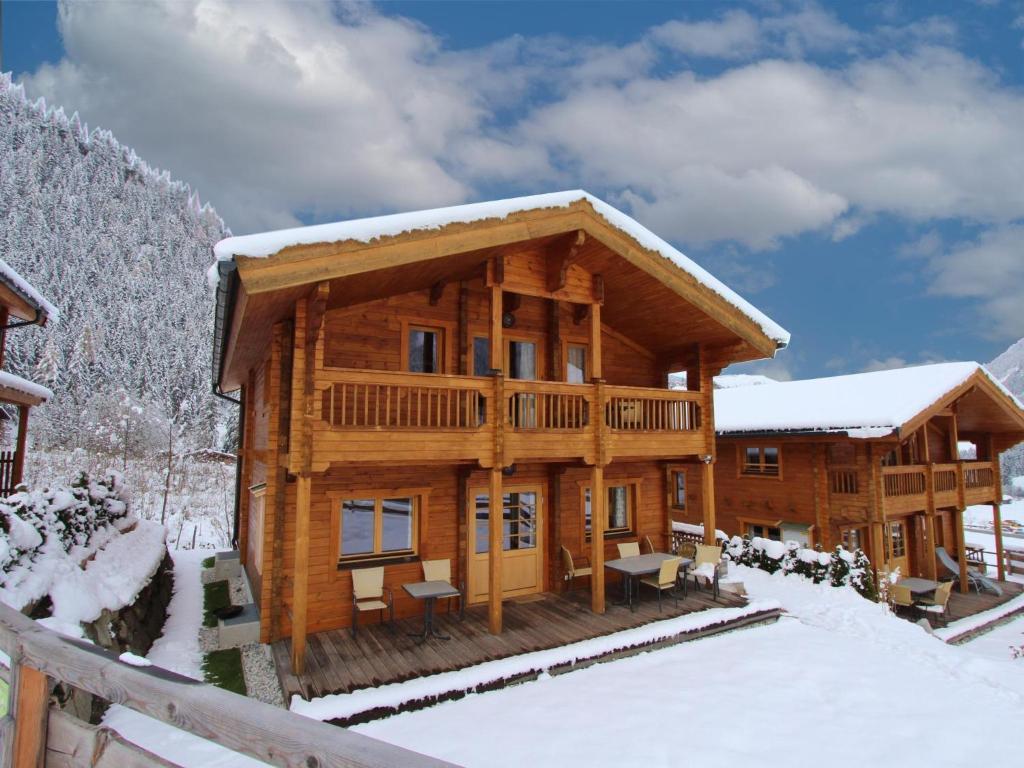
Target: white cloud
895,361
735,35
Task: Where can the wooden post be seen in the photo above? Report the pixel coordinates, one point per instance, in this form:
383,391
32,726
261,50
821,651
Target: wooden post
822,526
930,569
18,471
31,697
598,516
495,520
4,317
961,549
708,487
596,371
997,522
300,585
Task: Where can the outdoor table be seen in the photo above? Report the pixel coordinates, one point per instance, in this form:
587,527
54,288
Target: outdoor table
918,586
428,592
632,568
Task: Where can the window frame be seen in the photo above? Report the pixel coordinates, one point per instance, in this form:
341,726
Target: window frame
585,344
257,500
445,331
742,465
674,474
633,497
746,523
420,506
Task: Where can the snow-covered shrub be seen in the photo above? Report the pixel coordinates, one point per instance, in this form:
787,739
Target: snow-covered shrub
860,577
62,518
768,554
840,568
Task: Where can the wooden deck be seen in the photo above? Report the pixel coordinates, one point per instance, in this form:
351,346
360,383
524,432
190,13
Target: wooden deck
338,663
961,606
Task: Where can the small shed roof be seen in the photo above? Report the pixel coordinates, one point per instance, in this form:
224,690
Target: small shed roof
863,405
22,299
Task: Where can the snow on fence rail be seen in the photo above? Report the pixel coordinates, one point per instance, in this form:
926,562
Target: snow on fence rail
40,658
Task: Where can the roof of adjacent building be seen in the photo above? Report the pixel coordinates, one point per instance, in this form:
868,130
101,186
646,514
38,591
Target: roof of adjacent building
42,309
863,405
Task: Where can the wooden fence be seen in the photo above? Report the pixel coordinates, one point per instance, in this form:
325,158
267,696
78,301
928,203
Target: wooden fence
34,734
7,461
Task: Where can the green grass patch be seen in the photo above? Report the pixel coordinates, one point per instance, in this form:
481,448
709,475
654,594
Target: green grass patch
216,595
209,561
3,698
224,669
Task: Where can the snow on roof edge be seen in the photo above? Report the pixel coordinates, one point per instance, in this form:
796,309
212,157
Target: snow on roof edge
26,290
30,388
262,245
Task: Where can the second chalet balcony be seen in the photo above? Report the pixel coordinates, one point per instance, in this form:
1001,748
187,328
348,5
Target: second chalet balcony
906,488
385,416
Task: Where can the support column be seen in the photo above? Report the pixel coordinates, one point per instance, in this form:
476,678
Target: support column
961,548
300,586
997,523
18,471
598,516
495,520
930,569
708,487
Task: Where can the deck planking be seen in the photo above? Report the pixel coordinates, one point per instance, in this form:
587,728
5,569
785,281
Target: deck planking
339,663
961,606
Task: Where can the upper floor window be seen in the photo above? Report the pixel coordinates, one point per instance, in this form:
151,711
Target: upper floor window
679,489
576,363
425,349
481,356
760,460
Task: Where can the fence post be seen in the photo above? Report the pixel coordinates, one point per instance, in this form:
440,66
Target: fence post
31,695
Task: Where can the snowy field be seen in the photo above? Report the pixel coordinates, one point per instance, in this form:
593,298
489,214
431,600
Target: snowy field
981,516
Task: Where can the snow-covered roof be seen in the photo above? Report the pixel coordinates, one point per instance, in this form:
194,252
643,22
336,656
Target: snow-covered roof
862,405
33,392
366,230
23,288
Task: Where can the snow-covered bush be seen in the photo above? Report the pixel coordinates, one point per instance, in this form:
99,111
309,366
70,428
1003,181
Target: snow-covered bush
840,568
57,520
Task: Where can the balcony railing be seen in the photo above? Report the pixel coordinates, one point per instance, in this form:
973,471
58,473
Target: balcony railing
633,409
547,406
843,482
903,481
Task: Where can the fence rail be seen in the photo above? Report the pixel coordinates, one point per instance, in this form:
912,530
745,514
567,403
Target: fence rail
7,461
275,736
641,410
546,405
843,482
978,475
903,481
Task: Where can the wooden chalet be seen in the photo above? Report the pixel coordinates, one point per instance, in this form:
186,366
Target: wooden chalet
20,305
870,460
398,372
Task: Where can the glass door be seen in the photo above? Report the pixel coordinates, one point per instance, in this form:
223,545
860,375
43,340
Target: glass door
522,552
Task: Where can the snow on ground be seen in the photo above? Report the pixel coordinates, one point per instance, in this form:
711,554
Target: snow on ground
177,649
996,644
796,692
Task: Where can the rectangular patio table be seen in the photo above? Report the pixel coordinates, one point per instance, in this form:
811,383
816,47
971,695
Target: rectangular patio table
428,592
632,568
918,586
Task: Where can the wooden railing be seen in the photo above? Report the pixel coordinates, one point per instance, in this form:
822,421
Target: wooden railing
978,474
904,481
944,478
40,658
388,400
548,406
7,461
634,409
843,481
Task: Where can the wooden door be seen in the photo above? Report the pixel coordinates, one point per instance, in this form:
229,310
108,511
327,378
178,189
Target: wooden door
898,547
522,564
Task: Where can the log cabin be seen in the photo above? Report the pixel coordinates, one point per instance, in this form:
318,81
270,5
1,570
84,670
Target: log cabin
21,305
869,460
398,372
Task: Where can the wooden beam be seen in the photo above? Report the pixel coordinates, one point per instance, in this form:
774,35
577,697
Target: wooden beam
961,548
18,471
598,289
463,331
436,292
598,516
708,498
556,366
561,254
32,701
300,582
280,378
997,517
596,369
495,521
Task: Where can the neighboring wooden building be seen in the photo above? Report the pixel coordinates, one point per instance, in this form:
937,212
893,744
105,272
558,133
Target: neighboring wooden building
20,305
869,460
398,372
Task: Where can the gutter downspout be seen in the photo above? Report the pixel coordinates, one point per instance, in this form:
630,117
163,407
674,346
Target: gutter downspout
224,307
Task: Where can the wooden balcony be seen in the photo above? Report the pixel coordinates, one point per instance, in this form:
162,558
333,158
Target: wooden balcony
906,488
384,416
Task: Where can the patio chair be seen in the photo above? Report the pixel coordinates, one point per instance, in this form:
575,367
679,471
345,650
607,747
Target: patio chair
900,597
648,543
629,549
974,578
441,570
370,594
665,579
938,605
571,571
708,565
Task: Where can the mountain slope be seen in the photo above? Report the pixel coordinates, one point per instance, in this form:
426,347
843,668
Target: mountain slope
1009,369
121,249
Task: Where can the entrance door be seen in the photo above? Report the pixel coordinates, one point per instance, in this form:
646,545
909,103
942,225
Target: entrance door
897,550
522,559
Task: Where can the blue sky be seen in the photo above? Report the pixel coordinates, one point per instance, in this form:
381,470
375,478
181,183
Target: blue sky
853,169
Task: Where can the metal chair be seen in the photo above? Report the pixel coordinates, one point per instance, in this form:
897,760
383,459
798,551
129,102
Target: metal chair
441,570
665,579
368,594
938,605
900,597
629,549
569,566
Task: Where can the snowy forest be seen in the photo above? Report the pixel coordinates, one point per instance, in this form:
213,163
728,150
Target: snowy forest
121,249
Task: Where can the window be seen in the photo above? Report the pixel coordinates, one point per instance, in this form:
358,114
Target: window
424,350
519,521
257,502
760,460
897,540
481,356
377,525
763,531
852,539
679,489
522,360
576,363
890,459
621,503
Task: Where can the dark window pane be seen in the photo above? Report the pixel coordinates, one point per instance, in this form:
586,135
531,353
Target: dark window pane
576,365
481,356
618,512
482,509
586,510
397,523
523,360
771,457
357,526
423,351
680,489
752,459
